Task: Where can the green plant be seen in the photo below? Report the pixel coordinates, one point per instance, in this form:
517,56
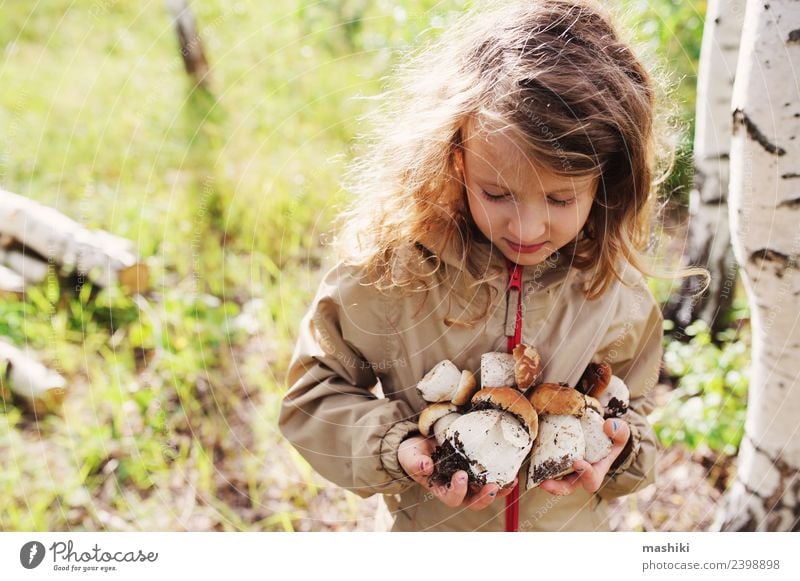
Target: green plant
709,403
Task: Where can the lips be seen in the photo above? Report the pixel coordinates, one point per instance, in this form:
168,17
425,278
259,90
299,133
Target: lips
524,249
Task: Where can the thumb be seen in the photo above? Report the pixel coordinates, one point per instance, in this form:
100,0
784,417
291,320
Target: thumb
425,465
618,430
414,459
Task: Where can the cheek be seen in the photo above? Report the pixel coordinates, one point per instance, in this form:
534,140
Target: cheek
580,214
482,211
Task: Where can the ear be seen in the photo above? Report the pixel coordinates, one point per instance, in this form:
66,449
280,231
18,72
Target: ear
458,160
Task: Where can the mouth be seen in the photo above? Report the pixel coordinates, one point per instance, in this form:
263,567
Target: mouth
524,249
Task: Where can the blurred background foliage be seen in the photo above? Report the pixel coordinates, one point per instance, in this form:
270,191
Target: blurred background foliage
170,421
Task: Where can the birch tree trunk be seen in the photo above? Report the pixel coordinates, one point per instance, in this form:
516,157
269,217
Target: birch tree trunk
709,234
764,213
191,45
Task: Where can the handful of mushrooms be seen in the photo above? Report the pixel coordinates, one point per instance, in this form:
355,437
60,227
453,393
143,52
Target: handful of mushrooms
488,432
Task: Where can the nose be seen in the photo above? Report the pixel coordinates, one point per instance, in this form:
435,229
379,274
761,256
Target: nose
528,223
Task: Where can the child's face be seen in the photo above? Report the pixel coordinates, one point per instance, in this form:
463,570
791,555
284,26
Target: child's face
525,210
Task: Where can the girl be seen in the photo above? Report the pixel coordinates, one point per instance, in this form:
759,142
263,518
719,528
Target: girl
506,198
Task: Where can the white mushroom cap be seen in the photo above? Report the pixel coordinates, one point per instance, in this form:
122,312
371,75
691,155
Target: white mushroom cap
616,398
494,442
433,413
497,370
598,444
559,444
440,383
441,425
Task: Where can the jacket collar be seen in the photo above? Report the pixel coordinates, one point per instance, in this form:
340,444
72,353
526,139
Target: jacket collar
490,262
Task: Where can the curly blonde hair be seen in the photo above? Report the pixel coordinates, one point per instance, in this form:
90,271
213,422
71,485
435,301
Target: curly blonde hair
579,100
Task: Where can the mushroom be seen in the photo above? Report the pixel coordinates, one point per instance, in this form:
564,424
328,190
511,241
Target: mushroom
527,366
598,445
595,379
497,370
560,443
510,401
616,398
436,419
489,442
570,428
446,383
559,399
520,368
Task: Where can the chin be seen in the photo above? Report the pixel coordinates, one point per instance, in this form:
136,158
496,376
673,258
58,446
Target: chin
528,259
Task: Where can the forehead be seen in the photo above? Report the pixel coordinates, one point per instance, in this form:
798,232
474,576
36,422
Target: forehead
498,155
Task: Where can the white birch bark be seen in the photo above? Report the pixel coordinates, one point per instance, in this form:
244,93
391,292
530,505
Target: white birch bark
709,234
31,269
103,258
765,213
40,387
11,283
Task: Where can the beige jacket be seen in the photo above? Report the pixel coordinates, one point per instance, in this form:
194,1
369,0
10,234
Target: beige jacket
352,383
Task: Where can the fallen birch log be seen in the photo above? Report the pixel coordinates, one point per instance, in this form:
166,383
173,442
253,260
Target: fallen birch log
103,258
32,270
11,283
40,387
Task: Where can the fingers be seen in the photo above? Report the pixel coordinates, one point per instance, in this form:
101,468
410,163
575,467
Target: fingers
454,493
591,476
424,468
457,494
414,456
502,493
619,432
561,487
486,495
483,498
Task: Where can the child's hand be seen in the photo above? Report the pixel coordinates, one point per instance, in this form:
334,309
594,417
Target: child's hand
414,455
591,476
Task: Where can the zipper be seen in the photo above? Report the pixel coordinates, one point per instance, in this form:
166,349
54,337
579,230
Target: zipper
513,330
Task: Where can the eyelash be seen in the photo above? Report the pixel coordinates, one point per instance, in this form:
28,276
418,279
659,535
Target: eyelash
552,202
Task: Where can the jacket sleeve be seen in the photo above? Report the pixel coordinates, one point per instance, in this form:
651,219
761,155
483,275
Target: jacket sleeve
330,413
634,351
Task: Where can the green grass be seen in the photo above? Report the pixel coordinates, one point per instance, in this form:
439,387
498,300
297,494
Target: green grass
227,195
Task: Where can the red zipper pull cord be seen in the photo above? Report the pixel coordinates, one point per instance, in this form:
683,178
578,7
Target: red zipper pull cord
515,303
515,284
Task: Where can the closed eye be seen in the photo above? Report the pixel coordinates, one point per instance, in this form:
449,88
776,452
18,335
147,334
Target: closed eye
560,203
552,201
494,197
